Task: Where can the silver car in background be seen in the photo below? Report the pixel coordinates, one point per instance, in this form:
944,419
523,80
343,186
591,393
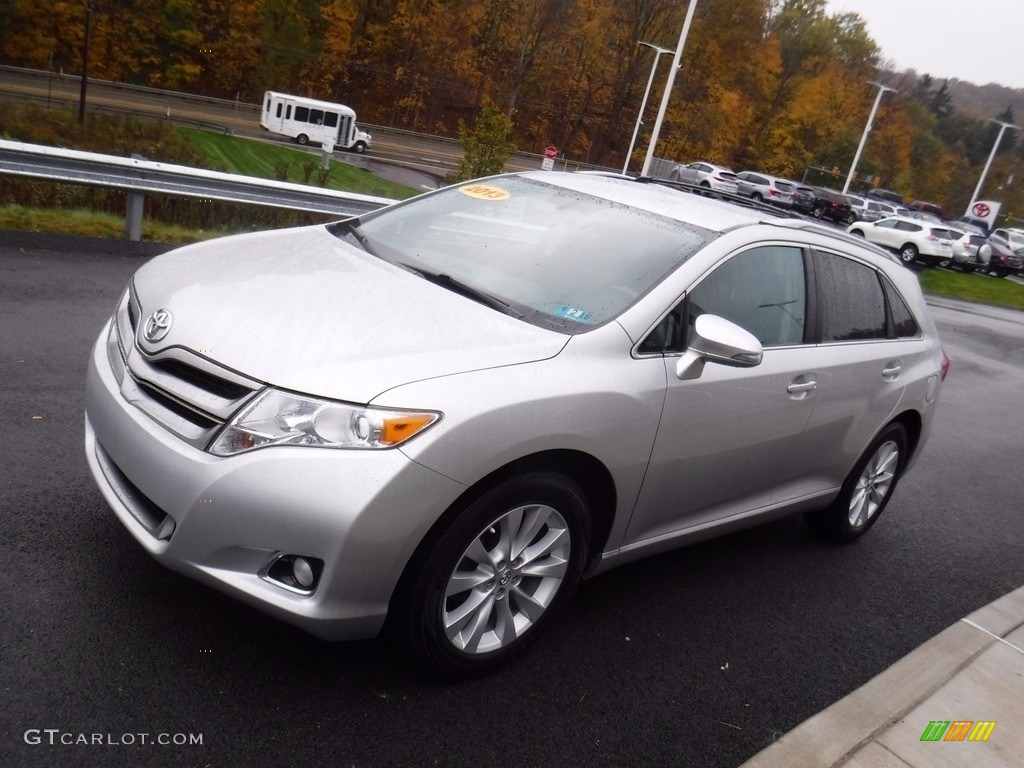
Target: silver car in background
706,175
440,416
761,187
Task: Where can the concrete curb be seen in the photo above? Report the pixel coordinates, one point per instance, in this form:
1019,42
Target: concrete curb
852,731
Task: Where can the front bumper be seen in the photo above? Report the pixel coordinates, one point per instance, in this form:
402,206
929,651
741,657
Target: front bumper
361,512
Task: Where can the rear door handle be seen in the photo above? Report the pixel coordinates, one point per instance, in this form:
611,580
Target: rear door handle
892,370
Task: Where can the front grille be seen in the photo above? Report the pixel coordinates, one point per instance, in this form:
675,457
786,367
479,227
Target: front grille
184,392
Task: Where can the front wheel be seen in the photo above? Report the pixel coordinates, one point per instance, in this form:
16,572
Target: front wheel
496,576
908,253
867,489
819,212
359,148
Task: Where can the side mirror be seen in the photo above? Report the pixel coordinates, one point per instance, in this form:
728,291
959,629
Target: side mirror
717,340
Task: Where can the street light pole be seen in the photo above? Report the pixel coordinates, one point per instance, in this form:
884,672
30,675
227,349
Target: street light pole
668,87
867,129
1002,127
643,105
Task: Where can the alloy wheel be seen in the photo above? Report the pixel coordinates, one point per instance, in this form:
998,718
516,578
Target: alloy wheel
874,484
506,578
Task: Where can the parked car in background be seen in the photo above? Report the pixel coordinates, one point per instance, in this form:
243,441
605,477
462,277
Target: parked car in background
926,216
706,175
887,195
910,238
866,209
970,251
1008,236
925,207
764,188
1007,252
830,204
582,370
803,198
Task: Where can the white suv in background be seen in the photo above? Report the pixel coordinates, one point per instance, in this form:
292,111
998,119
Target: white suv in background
913,239
764,188
706,175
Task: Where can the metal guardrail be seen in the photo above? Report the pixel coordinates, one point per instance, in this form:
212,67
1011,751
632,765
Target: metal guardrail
140,177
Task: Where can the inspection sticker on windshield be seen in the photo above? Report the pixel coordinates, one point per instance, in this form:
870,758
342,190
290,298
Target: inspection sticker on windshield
571,313
485,192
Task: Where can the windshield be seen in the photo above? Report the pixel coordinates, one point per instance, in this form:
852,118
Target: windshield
556,257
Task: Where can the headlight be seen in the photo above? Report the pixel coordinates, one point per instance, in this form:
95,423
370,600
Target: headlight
283,418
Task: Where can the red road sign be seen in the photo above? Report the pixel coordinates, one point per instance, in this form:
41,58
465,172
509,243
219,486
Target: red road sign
550,152
981,210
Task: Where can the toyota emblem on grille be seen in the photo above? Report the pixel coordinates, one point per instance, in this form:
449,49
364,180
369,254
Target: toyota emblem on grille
158,325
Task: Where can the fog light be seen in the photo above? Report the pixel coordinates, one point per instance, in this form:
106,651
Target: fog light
303,572
296,573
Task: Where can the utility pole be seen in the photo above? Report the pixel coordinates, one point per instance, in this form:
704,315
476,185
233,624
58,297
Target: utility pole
668,87
867,129
1002,128
89,8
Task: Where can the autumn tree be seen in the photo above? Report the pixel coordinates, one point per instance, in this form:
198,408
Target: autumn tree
486,146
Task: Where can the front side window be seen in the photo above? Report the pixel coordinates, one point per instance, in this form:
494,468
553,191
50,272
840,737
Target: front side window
852,305
302,114
762,290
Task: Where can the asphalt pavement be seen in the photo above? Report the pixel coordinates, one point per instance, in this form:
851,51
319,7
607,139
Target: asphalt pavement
702,657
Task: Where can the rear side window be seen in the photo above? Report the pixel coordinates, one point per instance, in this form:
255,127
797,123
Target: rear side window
850,298
904,324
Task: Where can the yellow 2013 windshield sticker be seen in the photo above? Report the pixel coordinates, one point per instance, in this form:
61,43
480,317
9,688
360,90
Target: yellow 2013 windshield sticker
485,192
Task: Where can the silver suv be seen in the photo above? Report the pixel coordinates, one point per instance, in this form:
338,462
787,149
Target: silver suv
763,188
706,175
444,414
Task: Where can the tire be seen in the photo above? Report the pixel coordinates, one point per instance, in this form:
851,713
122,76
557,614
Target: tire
705,185
302,139
946,264
819,212
908,253
866,491
851,219
857,232
359,147
756,197
471,599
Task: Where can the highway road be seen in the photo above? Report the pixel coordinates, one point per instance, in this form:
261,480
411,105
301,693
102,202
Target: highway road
430,157
699,657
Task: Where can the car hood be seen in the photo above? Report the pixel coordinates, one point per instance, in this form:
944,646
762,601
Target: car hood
303,310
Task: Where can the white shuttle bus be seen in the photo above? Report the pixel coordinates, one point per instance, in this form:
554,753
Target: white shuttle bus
306,120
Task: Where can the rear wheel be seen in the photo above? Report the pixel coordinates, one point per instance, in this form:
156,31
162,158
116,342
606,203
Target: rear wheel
908,253
756,197
496,576
819,211
302,139
867,489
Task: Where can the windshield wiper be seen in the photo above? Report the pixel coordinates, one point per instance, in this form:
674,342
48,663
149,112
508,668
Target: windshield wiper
449,282
349,230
